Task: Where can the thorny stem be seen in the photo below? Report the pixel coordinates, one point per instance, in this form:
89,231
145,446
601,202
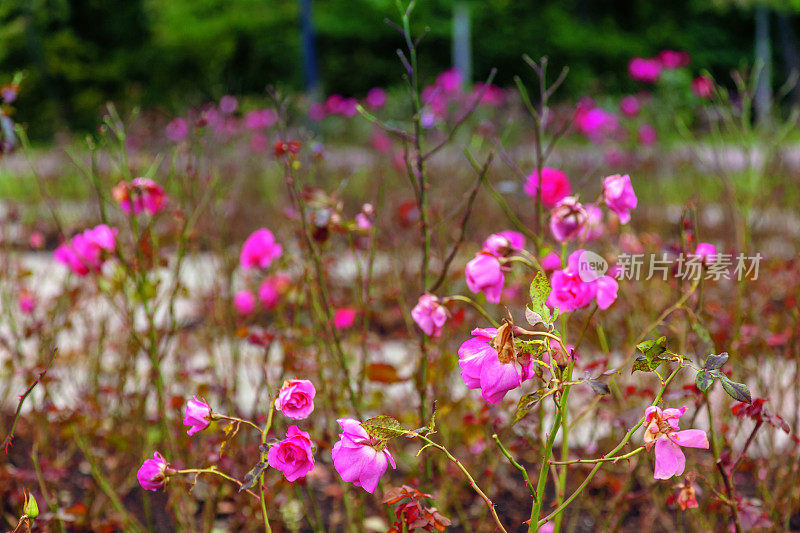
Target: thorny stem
213,470
516,465
23,396
617,448
466,473
726,476
600,460
262,481
473,303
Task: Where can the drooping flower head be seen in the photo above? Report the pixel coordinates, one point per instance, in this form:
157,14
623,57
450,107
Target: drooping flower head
359,458
294,455
152,475
619,196
485,274
489,361
594,224
555,185
429,314
568,219
296,398
259,250
663,433
504,243
198,415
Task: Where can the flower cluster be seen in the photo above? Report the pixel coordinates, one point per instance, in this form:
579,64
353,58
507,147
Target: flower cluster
87,251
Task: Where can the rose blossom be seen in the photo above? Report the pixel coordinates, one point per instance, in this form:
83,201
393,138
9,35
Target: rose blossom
259,249
504,243
575,286
245,302
146,194
567,219
177,129
271,289
84,253
485,274
430,315
296,398
198,415
376,98
293,455
152,475
662,431
494,372
672,59
26,302
629,105
619,196
358,458
644,70
555,185
594,224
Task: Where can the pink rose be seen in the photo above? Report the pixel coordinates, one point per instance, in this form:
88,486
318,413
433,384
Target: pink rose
296,398
429,315
619,196
485,274
671,59
198,416
26,302
504,243
662,431
569,291
358,458
567,219
706,252
629,106
293,455
555,185
84,253
481,366
152,475
703,87
259,250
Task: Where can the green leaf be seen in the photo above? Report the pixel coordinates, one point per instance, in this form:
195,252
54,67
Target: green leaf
539,291
252,476
383,427
526,403
713,362
650,357
703,380
737,391
702,333
599,387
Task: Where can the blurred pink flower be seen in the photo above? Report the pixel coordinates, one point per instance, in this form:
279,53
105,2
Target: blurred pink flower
26,302
293,455
359,458
671,59
647,135
567,219
198,415
177,129
493,96
258,119
662,431
152,475
36,240
606,294
629,106
84,253
296,398
595,123
555,185
644,70
344,317
258,142
271,289
481,366
485,274
619,196
706,252
245,302
259,250
703,86
228,104
376,98
429,314
449,81
317,111
550,262
381,142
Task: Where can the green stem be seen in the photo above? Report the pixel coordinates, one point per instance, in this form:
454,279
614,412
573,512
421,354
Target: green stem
536,508
516,465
